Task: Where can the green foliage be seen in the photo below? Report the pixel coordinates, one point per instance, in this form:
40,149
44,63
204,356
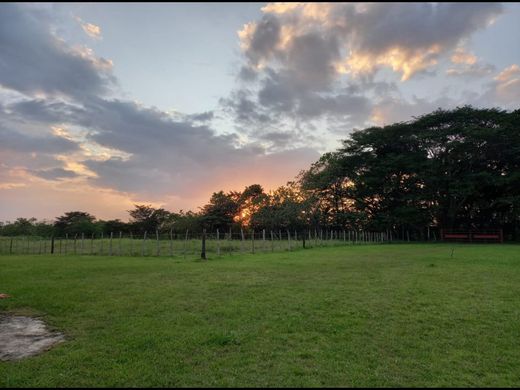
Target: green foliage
114,226
20,227
147,218
75,223
219,213
454,169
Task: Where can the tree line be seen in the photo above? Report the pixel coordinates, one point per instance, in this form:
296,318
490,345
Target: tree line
451,169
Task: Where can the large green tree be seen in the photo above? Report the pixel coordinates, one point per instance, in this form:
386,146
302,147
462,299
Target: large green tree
75,223
220,212
455,168
149,219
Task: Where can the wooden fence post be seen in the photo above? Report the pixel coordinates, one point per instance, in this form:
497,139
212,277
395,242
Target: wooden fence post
158,252
242,240
203,252
218,243
171,242
230,243
185,243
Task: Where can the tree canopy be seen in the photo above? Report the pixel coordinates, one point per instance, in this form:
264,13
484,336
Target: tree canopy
453,169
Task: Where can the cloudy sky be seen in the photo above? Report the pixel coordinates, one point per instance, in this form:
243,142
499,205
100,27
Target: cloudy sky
107,105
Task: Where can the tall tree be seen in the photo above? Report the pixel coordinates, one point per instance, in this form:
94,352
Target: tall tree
147,218
75,222
220,212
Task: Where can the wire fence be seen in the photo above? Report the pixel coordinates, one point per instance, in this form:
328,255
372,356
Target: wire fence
187,244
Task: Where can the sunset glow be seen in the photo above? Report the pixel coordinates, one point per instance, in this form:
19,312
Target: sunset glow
105,106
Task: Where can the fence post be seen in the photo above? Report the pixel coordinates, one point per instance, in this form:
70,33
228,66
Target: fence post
120,249
218,243
242,240
203,252
253,241
158,243
185,243
142,243
230,243
303,239
289,238
263,239
272,242
52,244
171,242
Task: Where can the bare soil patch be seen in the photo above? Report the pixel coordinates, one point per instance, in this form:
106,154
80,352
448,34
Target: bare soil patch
22,336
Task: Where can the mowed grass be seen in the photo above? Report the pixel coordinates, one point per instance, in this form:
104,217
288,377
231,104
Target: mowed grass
376,315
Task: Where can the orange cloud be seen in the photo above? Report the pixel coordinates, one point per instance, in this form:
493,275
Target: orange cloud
90,29
460,56
401,60
508,74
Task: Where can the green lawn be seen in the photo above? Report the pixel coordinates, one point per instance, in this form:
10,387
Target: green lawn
376,315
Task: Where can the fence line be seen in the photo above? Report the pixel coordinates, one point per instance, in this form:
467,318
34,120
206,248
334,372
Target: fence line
175,244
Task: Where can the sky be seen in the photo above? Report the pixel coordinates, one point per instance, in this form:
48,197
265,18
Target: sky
107,105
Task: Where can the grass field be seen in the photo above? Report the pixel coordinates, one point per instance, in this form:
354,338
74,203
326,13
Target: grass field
375,315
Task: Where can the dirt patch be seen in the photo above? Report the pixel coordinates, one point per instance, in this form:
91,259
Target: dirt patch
22,337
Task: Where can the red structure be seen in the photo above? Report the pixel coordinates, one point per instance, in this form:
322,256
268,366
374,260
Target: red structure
472,236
